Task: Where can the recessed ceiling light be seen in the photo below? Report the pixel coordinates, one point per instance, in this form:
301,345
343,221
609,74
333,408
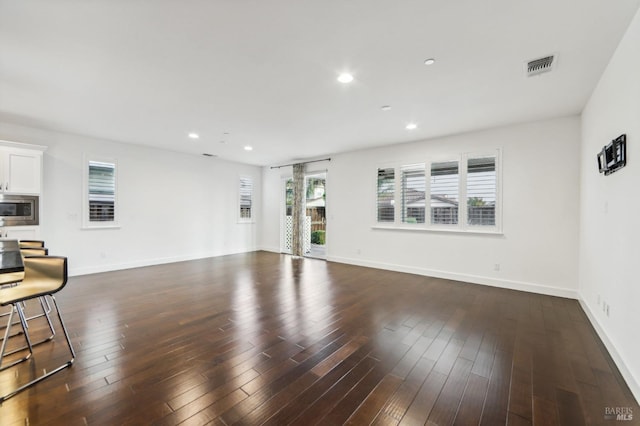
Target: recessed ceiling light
429,61
223,142
194,135
411,126
345,78
385,107
248,148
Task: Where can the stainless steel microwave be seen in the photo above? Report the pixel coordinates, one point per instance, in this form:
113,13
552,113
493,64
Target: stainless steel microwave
18,210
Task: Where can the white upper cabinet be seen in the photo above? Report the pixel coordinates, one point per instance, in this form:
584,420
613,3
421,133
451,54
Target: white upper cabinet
20,168
22,172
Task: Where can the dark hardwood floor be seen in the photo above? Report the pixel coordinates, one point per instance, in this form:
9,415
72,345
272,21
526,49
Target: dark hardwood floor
261,338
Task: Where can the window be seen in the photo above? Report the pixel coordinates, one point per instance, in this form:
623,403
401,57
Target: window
413,193
473,180
386,191
481,191
100,194
246,202
289,197
444,193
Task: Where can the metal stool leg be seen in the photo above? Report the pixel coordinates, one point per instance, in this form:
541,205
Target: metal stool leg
45,309
44,304
6,339
52,372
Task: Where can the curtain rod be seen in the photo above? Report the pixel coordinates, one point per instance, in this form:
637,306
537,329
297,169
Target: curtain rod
302,162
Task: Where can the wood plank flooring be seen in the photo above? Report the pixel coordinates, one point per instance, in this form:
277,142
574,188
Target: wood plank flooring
262,338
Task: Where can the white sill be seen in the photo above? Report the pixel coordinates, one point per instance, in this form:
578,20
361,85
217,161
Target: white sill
246,222
492,232
105,226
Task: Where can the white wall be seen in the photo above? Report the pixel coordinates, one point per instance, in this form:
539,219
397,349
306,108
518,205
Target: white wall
538,248
172,206
610,210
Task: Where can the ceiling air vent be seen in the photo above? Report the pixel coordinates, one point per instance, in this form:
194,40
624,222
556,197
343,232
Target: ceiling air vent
541,65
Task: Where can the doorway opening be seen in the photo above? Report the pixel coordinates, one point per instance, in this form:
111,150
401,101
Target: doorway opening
315,218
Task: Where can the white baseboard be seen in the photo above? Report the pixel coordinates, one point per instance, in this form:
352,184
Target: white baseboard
475,279
94,269
632,382
270,249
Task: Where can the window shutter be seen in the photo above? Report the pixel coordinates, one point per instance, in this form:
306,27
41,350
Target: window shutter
386,194
413,193
102,191
444,192
481,191
246,193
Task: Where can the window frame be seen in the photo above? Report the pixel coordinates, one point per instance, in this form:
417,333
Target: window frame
498,194
251,218
411,167
444,159
377,192
87,159
462,226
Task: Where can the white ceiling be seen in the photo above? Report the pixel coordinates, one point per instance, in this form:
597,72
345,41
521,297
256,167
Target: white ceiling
150,71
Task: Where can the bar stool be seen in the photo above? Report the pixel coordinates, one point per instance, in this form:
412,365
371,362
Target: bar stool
30,243
46,308
11,264
15,278
34,251
44,276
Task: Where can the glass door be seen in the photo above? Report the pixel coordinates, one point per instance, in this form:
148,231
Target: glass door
287,224
315,219
316,215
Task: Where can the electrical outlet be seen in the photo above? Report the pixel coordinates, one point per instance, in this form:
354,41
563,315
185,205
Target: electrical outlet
598,300
496,267
607,310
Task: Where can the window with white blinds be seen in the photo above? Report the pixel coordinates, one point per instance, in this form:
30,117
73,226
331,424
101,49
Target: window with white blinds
246,198
481,191
385,203
471,179
413,193
102,191
445,187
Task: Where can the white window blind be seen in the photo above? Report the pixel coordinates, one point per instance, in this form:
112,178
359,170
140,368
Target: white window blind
246,195
444,184
473,179
102,191
481,191
386,193
413,193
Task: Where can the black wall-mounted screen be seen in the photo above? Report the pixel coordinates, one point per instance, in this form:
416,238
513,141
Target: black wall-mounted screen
613,156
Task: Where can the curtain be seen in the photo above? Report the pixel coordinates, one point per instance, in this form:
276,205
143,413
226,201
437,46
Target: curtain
298,214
